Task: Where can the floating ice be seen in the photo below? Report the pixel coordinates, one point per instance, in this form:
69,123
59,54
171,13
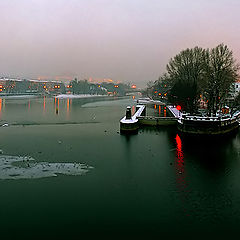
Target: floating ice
17,167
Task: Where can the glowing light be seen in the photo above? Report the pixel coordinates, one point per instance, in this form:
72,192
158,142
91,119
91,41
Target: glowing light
159,94
116,86
178,107
133,86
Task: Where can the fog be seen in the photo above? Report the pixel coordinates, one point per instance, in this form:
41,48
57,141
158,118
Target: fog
125,40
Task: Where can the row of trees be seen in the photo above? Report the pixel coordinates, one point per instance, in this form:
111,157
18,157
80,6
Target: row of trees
85,87
198,74
30,87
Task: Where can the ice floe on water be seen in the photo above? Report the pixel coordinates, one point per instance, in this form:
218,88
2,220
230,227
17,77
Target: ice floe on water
17,167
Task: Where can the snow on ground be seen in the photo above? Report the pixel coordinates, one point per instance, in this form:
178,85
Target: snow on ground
78,96
174,111
17,167
18,96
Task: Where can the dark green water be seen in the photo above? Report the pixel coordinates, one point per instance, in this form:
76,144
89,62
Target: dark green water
153,184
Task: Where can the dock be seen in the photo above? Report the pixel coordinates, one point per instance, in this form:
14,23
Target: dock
131,123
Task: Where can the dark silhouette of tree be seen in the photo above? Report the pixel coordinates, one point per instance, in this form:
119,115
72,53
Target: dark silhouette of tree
209,73
186,72
161,87
220,72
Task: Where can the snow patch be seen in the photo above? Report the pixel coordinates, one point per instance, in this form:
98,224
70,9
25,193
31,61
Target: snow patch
17,167
18,96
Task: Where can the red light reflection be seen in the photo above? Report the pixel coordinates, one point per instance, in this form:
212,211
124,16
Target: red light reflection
180,172
180,160
133,110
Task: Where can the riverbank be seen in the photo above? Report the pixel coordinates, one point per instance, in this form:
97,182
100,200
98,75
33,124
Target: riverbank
64,96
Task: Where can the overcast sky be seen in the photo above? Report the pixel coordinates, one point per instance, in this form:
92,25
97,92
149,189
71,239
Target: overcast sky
125,40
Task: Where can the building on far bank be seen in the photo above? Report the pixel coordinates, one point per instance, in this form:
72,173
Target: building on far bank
11,86
236,88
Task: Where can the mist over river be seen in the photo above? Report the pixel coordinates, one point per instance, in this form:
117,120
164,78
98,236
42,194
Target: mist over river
66,171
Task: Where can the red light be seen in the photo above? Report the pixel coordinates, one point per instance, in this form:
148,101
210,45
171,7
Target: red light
178,107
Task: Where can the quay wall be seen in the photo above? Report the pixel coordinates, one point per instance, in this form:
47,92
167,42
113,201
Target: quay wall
157,121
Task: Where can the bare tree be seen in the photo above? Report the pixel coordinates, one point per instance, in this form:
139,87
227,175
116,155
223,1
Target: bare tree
220,72
186,71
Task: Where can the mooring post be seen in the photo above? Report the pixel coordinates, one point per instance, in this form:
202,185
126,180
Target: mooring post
128,113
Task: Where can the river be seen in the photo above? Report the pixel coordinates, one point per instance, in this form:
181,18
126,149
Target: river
154,183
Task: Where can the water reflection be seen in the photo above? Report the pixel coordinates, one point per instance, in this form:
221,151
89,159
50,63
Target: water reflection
157,110
67,113
165,112
29,104
56,105
0,108
214,154
180,173
44,104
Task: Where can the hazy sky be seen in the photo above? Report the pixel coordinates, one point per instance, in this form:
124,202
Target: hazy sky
126,40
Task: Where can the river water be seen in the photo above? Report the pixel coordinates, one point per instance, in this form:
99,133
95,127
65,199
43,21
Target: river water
154,183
